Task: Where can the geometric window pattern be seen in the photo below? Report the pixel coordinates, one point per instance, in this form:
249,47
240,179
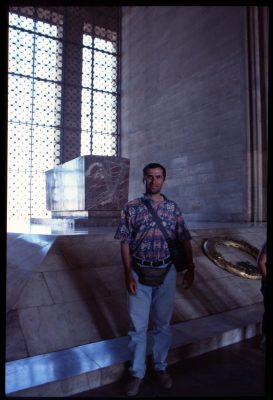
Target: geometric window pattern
36,120
34,111
99,92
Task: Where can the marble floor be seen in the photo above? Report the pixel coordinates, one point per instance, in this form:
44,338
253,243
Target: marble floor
237,370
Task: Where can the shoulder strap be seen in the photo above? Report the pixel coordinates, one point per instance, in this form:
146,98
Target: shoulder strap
155,217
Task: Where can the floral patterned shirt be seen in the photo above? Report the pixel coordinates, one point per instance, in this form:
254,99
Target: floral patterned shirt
140,231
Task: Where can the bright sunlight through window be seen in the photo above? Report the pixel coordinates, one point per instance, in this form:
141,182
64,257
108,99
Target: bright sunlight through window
36,116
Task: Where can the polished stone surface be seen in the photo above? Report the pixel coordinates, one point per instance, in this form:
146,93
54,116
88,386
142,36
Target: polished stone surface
190,339
71,281
66,227
25,252
234,371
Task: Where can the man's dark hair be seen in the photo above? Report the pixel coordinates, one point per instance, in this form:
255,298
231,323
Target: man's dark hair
154,165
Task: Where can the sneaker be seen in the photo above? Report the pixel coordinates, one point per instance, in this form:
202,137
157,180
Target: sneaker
165,379
132,387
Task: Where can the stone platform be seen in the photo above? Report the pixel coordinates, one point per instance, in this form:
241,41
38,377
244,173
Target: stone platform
71,281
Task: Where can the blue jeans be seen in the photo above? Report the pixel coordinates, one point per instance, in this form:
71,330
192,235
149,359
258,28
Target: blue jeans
160,301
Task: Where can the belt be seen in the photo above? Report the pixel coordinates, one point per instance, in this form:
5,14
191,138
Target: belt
152,263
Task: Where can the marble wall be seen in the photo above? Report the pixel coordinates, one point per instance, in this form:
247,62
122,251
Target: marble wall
185,104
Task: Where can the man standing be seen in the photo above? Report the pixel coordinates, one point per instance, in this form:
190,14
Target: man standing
144,250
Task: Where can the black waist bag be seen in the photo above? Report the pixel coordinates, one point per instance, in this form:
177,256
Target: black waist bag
151,276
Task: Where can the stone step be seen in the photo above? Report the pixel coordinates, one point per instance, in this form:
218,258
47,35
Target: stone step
71,371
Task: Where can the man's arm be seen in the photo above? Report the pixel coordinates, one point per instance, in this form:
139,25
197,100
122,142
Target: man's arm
188,252
131,284
188,277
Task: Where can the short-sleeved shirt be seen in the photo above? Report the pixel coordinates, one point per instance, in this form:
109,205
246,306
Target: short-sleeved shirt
138,228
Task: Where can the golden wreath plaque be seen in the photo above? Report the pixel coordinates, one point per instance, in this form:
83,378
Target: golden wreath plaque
245,265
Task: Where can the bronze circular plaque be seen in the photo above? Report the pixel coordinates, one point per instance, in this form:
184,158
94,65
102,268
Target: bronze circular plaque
233,255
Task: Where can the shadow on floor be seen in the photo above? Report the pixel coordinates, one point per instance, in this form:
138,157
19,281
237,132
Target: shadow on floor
231,371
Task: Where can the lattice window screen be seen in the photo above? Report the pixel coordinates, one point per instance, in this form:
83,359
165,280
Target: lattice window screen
63,95
99,94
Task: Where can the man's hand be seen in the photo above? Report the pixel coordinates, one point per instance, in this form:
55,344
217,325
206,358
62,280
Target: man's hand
131,284
188,278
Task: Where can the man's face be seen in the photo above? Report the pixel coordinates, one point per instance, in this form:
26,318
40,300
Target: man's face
154,180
